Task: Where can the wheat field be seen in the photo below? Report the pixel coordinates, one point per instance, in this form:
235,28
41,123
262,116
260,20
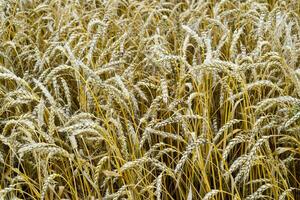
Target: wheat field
152,99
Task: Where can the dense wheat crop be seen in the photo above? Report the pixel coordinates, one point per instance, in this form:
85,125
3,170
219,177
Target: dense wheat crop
130,99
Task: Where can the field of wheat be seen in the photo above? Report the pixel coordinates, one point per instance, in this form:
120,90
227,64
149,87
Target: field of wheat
152,99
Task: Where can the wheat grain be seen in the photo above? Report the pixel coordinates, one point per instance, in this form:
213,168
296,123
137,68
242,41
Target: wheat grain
159,186
258,193
47,182
211,194
187,152
286,193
